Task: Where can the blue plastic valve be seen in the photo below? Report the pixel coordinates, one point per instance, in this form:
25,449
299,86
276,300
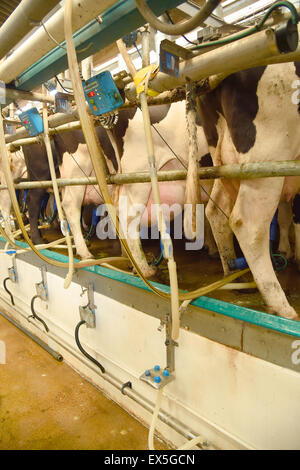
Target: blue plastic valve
157,379
157,368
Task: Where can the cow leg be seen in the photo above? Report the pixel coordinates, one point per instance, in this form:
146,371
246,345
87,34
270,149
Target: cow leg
34,201
218,205
209,241
5,208
139,256
285,220
72,202
250,221
132,199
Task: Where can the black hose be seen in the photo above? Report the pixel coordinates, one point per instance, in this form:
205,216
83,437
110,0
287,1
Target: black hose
82,322
176,29
8,291
34,315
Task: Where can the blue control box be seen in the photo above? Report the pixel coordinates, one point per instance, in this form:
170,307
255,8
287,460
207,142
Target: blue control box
102,94
32,122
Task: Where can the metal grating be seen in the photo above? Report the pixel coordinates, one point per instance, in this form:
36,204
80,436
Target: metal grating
6,8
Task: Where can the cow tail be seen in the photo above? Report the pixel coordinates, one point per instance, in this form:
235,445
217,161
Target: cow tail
192,188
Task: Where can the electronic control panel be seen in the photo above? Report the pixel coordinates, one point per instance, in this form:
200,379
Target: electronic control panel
32,122
102,94
63,103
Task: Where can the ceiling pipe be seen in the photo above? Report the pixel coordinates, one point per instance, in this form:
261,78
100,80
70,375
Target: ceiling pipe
46,38
117,21
25,17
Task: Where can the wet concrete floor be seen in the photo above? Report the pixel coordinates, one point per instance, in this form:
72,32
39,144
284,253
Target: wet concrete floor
45,404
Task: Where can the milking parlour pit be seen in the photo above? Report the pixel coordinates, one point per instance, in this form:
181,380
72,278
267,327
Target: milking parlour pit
149,227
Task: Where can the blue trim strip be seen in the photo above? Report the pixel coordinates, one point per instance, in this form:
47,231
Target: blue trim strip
265,320
119,20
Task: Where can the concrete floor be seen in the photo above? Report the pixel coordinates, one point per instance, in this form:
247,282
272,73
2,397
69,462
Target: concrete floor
47,405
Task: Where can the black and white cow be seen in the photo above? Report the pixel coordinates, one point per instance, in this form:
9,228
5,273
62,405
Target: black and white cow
169,121
71,155
252,117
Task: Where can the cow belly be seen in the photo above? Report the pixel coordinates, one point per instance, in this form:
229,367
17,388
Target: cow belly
92,196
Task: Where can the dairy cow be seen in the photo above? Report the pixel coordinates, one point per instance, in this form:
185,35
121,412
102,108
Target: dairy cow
38,170
72,160
252,117
169,121
18,170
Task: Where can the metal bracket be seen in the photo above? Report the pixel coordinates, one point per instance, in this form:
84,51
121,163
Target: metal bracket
12,272
175,49
63,103
87,312
157,377
42,287
163,322
170,52
126,385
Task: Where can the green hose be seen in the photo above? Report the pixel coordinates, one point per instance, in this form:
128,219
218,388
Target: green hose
255,28
279,267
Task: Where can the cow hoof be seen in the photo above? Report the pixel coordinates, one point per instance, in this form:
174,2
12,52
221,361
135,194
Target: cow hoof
290,314
89,256
148,272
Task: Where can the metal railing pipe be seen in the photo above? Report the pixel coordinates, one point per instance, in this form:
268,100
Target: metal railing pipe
239,55
245,171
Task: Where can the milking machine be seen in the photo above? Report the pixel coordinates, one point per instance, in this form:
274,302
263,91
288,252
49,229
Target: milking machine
278,260
42,293
91,230
103,98
88,318
12,276
43,216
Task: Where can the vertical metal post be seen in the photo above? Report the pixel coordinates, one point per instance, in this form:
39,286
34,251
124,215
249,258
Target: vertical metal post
170,345
145,32
172,321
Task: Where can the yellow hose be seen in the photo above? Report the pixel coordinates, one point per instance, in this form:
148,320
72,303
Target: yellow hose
61,214
154,419
15,204
188,445
165,237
